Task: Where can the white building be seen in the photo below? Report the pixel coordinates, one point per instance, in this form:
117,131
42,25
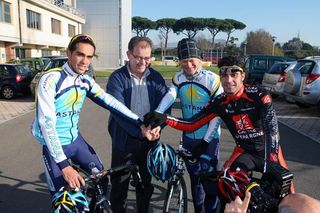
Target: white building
109,23
33,28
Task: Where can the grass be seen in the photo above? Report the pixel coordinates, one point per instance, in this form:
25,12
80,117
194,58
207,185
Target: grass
166,71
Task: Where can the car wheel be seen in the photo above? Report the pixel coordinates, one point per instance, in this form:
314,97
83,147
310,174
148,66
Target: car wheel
302,105
290,100
8,92
292,82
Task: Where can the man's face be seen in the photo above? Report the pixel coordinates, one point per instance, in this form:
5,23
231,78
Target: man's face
190,65
139,58
232,81
81,57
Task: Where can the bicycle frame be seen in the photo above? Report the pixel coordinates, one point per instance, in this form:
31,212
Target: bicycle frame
97,185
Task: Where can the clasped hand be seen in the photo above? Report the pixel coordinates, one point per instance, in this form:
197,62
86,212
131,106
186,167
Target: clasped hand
150,134
154,119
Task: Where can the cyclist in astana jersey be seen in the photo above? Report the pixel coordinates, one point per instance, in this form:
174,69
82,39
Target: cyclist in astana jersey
248,113
195,87
60,96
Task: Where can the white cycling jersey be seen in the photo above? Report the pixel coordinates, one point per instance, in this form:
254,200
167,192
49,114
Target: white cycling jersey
61,93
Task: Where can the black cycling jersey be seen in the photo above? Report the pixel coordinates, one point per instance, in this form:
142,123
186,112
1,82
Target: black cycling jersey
249,116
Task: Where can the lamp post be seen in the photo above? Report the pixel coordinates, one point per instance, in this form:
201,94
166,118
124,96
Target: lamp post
245,48
273,40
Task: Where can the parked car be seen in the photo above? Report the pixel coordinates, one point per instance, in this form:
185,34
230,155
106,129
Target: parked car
55,62
14,79
52,63
273,79
302,84
91,72
36,64
256,65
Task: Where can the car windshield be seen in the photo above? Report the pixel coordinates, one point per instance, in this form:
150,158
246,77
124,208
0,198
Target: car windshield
277,68
46,61
53,63
23,69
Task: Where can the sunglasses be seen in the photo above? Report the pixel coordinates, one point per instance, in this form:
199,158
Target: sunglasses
81,37
232,69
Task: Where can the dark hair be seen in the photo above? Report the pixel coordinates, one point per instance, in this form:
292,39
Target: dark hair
137,39
80,38
229,61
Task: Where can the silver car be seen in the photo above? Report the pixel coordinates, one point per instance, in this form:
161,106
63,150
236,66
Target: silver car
273,79
302,84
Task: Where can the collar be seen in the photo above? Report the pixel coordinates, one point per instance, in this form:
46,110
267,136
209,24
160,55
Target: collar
132,75
191,77
240,94
69,71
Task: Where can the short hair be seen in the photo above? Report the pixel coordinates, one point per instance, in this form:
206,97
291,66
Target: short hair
80,38
229,61
137,39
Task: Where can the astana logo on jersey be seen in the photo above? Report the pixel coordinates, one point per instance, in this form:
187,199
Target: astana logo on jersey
193,93
73,99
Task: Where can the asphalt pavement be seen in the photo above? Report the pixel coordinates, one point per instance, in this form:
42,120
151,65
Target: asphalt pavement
303,120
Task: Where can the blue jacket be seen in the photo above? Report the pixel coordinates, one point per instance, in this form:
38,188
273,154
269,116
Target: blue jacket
119,85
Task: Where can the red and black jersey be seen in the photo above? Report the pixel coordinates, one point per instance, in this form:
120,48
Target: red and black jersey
249,116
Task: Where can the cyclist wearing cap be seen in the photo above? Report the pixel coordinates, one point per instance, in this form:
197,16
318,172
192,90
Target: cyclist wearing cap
247,111
60,96
195,87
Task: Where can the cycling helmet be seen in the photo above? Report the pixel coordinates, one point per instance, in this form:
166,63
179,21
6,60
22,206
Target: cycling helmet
161,162
233,183
69,200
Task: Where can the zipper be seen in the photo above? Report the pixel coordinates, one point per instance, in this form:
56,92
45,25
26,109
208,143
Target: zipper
73,105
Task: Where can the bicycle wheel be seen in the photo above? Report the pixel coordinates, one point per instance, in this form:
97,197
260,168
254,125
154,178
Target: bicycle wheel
176,197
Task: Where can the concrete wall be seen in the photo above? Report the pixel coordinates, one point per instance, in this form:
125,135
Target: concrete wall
109,23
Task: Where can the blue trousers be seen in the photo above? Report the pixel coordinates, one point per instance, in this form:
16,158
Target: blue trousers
79,152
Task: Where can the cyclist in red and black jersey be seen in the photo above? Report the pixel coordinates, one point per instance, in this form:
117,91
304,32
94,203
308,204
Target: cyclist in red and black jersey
247,111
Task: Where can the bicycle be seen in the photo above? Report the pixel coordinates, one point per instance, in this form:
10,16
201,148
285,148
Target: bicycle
97,185
176,196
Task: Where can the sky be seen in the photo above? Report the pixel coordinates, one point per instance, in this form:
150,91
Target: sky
284,19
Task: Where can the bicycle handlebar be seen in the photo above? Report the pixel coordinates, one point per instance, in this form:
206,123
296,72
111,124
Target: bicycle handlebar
111,171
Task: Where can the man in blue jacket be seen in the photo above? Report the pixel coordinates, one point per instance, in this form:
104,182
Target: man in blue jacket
141,89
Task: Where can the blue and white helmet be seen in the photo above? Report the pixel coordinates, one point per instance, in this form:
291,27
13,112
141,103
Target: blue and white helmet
161,162
69,200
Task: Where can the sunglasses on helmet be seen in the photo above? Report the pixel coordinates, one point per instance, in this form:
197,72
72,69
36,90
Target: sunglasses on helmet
81,37
232,69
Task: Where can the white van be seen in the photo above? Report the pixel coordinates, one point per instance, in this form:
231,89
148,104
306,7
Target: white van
170,60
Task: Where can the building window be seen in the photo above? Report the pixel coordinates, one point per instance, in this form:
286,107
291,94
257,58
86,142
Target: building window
5,11
71,30
55,26
33,20
20,53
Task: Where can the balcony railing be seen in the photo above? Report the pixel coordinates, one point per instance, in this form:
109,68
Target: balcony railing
66,7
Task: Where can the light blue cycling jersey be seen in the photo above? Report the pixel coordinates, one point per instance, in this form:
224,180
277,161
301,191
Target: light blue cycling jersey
61,93
195,92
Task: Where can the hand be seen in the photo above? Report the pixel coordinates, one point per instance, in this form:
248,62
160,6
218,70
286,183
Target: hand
238,206
72,177
200,149
154,119
151,135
